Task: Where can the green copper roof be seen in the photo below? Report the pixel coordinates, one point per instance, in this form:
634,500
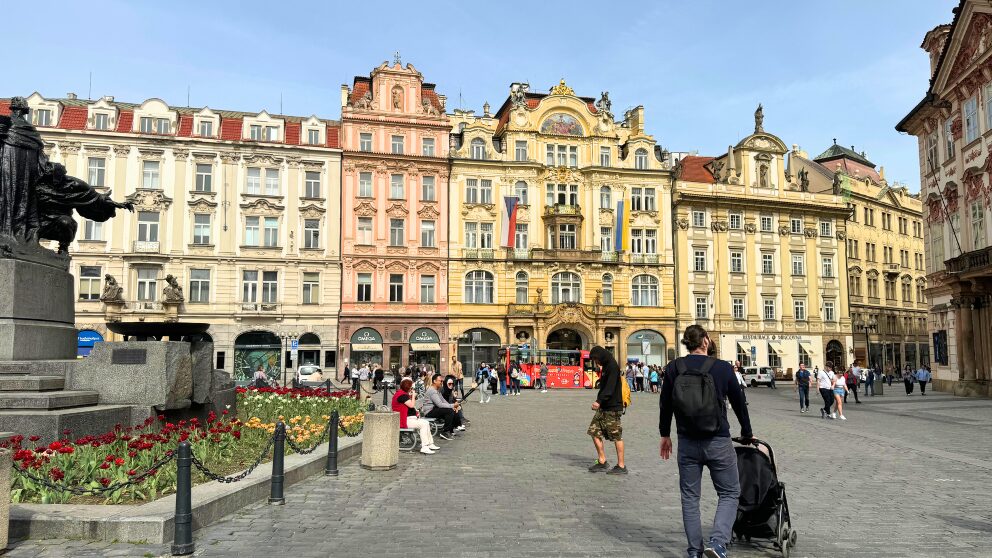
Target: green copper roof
836,151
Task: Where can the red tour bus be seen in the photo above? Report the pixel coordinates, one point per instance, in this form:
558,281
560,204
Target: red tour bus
566,369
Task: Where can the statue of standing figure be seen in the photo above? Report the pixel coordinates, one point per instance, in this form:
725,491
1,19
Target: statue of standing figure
759,120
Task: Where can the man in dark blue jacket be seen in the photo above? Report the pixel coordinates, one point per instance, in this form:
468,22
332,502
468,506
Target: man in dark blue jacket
715,451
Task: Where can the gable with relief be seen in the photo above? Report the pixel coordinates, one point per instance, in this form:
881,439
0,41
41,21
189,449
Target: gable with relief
364,266
397,265
261,206
149,199
202,204
262,160
397,210
428,212
975,43
763,142
479,211
312,211
365,208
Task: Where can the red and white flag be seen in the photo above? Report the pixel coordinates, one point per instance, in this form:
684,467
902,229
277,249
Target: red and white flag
508,221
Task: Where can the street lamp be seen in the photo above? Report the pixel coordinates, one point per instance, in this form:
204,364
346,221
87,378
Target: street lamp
868,327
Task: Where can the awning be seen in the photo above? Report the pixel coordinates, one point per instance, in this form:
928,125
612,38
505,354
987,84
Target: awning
777,347
370,347
425,346
808,347
745,346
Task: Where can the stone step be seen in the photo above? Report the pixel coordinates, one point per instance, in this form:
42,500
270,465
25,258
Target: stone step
47,400
51,425
31,383
38,367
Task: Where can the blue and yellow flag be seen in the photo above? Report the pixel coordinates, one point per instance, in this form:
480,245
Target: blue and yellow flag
622,243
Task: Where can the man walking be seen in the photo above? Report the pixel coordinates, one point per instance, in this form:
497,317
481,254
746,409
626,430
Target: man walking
825,383
609,408
694,391
356,373
543,374
803,378
851,379
923,376
869,381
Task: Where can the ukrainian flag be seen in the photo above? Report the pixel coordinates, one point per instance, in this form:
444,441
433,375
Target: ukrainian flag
622,228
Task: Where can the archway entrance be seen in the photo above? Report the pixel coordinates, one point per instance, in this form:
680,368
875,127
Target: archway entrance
564,339
835,354
256,349
475,347
646,346
309,351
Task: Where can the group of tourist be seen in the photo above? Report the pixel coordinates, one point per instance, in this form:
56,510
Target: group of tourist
643,377
921,376
438,402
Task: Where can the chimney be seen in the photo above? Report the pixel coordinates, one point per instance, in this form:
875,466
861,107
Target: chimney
70,95
933,43
636,120
344,95
108,98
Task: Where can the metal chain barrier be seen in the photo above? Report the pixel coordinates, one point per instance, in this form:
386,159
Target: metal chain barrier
235,478
99,491
301,451
346,432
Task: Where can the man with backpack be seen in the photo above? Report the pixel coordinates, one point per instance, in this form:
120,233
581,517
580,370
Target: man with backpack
694,391
609,406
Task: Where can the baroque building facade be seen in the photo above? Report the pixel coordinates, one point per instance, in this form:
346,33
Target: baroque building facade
239,210
559,229
760,258
953,126
394,296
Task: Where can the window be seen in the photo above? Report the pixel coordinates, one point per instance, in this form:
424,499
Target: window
101,121
204,177
471,190
886,254
162,126
427,192
478,149
605,198
641,159
365,142
635,199
904,258
486,191
698,218
199,285
826,229
828,266
311,233
907,293
606,240
799,264
485,235
427,234
479,287
520,151
145,125
92,230
565,287
872,287
607,289
311,184
636,241
702,307
311,288
249,286
650,241
887,221
255,132
396,232
147,283
948,139
828,311
737,308
766,223
149,174
396,145
89,282
644,291
272,133
737,261
201,228
270,231
604,157
313,136
562,194
522,288
852,248
796,225
854,213
768,306
206,128
254,183
148,226
520,236
42,117
567,155
396,189
471,235
272,182
920,294
854,285
364,231
978,225
699,260
252,229
798,309
870,251
365,185
566,237
804,357
520,190
97,171
767,264
427,147
890,289
647,199
364,287
270,283
550,156
427,289
736,221
971,119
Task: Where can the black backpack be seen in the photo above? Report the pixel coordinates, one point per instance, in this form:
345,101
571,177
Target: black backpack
697,409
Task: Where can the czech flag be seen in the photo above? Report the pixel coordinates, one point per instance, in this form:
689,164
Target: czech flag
622,231
509,221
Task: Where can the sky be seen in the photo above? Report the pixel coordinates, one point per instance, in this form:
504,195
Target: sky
845,69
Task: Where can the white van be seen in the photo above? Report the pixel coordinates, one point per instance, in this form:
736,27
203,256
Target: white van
754,375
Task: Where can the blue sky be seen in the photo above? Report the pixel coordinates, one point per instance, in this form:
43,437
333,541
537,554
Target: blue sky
843,69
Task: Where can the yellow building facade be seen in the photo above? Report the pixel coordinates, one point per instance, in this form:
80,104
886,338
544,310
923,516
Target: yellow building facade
554,276
760,258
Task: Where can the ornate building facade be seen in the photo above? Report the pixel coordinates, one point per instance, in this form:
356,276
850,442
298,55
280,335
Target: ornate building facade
394,297
886,274
953,124
760,258
235,224
559,229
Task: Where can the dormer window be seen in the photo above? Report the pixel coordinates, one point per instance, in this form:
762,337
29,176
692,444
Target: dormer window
41,117
101,121
641,159
255,132
313,136
478,149
272,133
151,125
206,129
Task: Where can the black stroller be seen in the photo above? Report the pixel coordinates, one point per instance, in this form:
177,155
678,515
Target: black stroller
763,509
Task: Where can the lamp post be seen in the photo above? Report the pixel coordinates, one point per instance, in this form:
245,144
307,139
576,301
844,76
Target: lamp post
868,327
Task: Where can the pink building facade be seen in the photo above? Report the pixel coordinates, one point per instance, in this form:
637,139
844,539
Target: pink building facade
394,198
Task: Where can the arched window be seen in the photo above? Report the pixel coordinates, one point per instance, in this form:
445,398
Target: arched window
478,149
520,190
523,285
605,198
641,159
565,287
644,291
479,287
607,289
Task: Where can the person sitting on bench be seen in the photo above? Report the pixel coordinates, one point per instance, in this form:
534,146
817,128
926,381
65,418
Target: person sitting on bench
405,403
437,408
448,393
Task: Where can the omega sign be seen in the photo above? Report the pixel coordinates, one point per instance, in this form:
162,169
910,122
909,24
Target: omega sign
424,337
366,337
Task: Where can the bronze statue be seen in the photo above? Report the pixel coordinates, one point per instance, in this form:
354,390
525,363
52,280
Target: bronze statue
112,291
759,120
803,180
172,291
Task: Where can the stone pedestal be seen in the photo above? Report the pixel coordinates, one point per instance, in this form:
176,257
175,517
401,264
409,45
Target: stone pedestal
971,388
381,440
37,311
145,373
6,469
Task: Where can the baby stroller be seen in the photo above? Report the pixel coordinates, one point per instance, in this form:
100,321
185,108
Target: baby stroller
763,509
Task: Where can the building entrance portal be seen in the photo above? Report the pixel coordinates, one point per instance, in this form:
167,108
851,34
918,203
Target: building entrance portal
564,340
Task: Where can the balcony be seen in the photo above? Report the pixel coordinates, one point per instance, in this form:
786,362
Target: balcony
260,308
142,306
479,254
561,209
145,247
644,258
520,254
891,269
976,261
609,256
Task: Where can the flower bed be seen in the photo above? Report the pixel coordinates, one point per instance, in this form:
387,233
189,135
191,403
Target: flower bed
223,444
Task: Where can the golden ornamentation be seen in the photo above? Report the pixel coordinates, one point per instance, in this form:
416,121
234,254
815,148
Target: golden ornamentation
562,89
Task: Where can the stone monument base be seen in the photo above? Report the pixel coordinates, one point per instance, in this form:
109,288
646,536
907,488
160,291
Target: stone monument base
971,388
37,311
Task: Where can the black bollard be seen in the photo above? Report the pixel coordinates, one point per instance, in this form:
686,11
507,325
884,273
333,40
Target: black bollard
331,469
278,473
385,395
182,543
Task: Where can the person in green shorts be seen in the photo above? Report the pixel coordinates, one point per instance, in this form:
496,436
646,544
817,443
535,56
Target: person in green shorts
609,408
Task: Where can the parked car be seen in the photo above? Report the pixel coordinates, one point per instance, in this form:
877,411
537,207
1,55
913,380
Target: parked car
307,371
754,375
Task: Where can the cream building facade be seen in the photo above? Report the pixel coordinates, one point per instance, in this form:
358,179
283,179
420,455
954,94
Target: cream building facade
760,259
242,209
555,277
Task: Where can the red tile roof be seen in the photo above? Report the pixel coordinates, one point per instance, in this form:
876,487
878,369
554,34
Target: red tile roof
852,168
4,108
293,133
73,118
694,169
125,121
359,88
333,136
431,95
185,125
230,129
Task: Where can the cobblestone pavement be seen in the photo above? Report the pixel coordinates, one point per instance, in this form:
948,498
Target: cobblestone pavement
903,476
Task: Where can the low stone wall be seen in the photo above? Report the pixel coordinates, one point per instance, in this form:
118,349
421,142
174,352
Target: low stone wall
154,522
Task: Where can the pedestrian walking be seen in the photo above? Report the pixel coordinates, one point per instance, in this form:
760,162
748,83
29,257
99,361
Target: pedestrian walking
693,391
825,383
653,378
803,379
458,372
356,379
840,393
908,380
609,408
482,383
544,377
923,376
851,383
501,371
515,379
638,377
629,374
869,382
